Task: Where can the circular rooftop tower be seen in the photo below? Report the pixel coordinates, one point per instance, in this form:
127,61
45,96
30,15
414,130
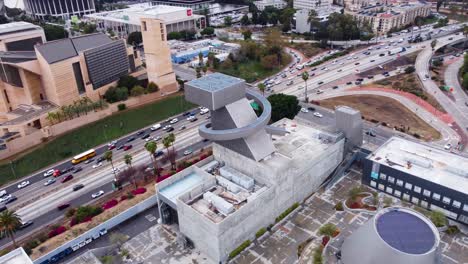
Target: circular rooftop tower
393,235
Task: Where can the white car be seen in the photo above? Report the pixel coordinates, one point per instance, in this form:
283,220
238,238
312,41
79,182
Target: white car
5,198
190,118
49,182
149,139
96,195
448,146
23,184
424,79
116,170
155,127
173,121
167,127
317,114
49,173
157,138
204,110
187,152
97,165
304,110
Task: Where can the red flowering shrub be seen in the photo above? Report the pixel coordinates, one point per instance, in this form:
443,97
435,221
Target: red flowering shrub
73,221
325,240
203,156
57,231
355,205
87,219
139,191
109,205
124,197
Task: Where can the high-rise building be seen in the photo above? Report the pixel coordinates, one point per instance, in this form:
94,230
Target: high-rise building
59,8
312,4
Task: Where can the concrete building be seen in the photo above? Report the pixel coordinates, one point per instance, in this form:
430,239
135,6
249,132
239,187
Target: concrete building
279,4
250,179
393,235
195,5
17,256
157,55
183,52
20,36
349,121
426,176
382,18
312,4
59,8
126,21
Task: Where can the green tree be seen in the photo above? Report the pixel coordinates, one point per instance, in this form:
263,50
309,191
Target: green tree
121,93
53,32
438,218
128,160
261,87
137,90
313,20
208,31
152,87
245,20
89,28
433,44
174,35
283,106
108,157
465,81
152,147
9,223
328,229
135,38
409,69
204,69
228,21
198,71
247,34
127,81
305,77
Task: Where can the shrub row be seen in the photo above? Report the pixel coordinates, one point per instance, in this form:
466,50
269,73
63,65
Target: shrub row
260,232
239,249
57,231
285,213
330,57
139,191
110,204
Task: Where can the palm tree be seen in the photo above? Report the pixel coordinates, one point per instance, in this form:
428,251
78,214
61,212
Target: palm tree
261,87
151,147
204,69
9,222
312,19
168,141
128,160
433,44
305,77
108,157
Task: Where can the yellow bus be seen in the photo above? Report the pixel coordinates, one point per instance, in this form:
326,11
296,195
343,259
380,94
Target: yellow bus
83,156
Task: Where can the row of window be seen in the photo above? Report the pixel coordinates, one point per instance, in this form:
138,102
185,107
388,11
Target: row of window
417,189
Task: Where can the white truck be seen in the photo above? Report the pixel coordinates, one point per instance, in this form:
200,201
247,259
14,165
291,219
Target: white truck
396,50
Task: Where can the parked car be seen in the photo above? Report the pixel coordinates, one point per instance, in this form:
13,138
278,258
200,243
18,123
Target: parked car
304,110
23,184
67,178
310,108
78,187
448,146
49,182
63,206
97,194
317,114
371,133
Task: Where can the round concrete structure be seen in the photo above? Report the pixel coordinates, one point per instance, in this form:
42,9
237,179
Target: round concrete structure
241,132
393,235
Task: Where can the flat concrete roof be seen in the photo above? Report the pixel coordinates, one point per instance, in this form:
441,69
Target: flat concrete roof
424,161
215,82
17,256
17,27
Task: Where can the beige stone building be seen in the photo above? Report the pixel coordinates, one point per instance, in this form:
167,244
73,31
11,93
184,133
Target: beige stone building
382,18
38,76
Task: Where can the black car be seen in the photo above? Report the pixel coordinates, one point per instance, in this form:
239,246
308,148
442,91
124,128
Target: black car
158,153
357,63
349,83
312,74
205,140
381,54
170,129
77,187
313,69
26,224
357,82
370,77
310,108
319,83
77,169
372,60
193,119
130,139
360,79
335,87
145,136
141,132
186,114
100,159
370,133
11,199
120,147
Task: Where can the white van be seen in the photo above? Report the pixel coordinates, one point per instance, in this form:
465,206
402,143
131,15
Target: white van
155,127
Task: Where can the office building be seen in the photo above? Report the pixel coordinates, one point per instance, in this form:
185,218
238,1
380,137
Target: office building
279,4
17,256
426,176
393,235
250,179
59,8
312,4
195,5
382,18
126,21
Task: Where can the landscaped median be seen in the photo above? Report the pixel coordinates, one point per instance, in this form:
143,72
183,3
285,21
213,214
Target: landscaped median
92,135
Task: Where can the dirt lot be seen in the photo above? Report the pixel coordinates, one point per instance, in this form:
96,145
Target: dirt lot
408,83
385,110
401,61
308,49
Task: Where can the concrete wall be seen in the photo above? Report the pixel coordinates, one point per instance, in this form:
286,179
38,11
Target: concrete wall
109,224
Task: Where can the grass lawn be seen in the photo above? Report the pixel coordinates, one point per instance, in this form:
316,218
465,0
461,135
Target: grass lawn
91,135
308,49
385,110
252,71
